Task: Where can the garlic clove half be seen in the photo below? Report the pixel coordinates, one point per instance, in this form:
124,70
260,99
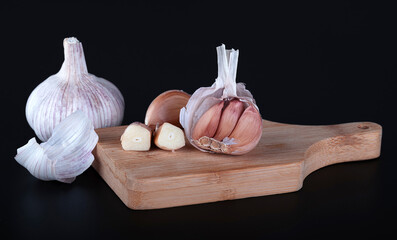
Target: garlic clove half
169,137
71,89
237,124
165,108
65,155
137,137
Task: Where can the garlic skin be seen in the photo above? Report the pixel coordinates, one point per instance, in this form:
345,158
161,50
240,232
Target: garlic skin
70,89
223,118
65,155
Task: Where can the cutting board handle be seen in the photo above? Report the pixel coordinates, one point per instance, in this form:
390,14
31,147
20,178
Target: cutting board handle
346,142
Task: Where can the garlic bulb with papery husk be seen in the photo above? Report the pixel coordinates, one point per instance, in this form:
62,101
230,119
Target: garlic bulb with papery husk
223,118
65,155
70,89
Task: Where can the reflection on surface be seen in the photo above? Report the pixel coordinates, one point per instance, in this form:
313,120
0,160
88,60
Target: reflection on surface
89,206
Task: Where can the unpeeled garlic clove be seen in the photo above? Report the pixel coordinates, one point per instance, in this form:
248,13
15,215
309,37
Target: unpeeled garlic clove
229,118
238,125
208,123
166,107
247,132
65,155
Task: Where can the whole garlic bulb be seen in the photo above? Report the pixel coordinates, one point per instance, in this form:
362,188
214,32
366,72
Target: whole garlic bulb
70,89
223,118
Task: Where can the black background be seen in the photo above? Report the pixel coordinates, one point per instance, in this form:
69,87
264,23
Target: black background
319,62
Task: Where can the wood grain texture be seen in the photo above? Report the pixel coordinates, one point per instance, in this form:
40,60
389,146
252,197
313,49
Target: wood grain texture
285,155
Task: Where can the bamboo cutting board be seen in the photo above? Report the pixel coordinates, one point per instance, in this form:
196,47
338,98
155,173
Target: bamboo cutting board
285,155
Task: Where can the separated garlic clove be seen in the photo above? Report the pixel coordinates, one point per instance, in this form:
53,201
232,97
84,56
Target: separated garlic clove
65,155
137,137
169,137
223,118
71,89
166,107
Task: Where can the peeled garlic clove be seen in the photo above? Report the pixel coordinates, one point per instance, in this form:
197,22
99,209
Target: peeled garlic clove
70,89
137,137
237,124
65,155
166,107
169,137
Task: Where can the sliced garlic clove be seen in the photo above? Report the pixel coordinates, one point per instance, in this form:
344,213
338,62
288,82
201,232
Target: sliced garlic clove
136,137
66,154
169,137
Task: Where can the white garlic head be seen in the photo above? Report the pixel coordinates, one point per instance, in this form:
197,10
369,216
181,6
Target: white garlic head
223,118
71,89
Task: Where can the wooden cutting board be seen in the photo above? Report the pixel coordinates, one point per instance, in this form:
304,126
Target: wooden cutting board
285,155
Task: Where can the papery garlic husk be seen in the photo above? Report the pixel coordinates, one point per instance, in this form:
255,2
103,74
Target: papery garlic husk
70,89
223,118
65,155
